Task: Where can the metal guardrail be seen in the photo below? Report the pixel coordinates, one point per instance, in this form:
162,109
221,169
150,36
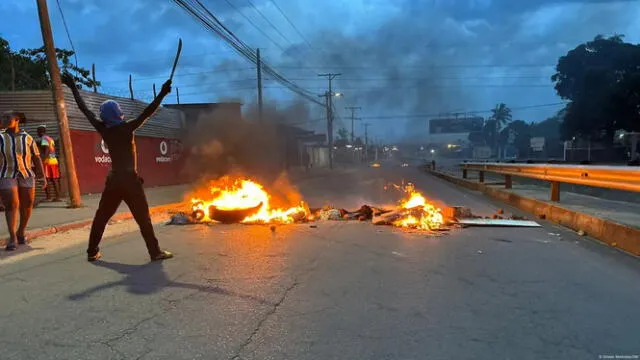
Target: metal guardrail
610,177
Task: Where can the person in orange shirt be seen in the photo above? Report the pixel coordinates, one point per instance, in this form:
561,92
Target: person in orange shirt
50,160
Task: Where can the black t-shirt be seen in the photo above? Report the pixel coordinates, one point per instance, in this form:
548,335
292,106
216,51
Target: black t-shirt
121,142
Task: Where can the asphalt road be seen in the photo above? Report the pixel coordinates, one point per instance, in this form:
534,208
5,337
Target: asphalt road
338,291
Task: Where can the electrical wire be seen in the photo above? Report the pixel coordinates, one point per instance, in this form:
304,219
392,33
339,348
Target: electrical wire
66,29
269,22
255,26
292,25
211,22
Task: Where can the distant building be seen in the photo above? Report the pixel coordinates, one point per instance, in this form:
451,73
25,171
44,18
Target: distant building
453,130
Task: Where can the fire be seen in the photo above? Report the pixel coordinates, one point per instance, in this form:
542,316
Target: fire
246,195
420,213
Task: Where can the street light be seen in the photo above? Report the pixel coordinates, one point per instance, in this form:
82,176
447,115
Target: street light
338,94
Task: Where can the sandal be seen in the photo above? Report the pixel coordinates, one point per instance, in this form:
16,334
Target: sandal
22,240
163,255
10,246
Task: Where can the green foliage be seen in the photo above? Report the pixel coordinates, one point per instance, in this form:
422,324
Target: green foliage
601,78
343,134
31,68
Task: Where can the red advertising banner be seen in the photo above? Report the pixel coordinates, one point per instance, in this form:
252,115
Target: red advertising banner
159,160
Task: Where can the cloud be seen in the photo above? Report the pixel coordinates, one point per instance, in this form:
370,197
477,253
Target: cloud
396,56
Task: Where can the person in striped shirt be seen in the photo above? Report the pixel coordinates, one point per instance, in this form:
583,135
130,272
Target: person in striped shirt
18,155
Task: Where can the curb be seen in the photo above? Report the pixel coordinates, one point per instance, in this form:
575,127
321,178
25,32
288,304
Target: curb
34,234
620,236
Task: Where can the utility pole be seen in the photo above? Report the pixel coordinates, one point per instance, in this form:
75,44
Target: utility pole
61,111
13,74
259,70
366,141
353,114
329,94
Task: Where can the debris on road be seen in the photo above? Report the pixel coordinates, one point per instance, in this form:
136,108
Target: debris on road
581,233
247,202
182,218
498,222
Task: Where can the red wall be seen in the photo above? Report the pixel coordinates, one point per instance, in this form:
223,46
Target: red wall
159,160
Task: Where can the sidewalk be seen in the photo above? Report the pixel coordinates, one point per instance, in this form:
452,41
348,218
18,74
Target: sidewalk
48,215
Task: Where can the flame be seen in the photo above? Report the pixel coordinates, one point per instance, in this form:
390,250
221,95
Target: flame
420,213
238,194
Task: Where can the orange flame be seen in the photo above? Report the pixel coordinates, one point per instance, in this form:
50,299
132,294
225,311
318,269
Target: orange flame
244,194
420,213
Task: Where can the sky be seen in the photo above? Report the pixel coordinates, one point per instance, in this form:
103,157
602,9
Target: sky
401,61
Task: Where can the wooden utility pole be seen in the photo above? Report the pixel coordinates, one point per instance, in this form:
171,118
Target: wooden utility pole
259,70
130,86
13,74
178,95
329,94
61,111
353,118
366,140
93,76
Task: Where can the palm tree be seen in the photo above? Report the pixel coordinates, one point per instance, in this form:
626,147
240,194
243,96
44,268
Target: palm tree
501,114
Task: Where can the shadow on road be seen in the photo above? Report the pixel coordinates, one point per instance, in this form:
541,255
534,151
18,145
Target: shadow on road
151,278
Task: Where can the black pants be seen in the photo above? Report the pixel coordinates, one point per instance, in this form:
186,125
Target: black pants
125,187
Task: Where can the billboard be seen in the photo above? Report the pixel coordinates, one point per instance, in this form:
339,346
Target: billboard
455,125
537,143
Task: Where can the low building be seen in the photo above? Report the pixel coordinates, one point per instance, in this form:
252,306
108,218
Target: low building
158,141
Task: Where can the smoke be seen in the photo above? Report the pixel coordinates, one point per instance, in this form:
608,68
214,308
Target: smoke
438,57
223,143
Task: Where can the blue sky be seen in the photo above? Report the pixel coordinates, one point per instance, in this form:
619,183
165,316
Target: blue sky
399,59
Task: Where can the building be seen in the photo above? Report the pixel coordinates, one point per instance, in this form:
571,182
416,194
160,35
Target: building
158,141
272,144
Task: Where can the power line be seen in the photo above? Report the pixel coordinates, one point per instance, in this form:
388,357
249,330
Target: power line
186,74
211,22
255,26
66,29
408,116
269,22
272,25
462,66
292,25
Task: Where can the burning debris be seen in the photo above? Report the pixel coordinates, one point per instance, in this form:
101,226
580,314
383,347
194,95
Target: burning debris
243,201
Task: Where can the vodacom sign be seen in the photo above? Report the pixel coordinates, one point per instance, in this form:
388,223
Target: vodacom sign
164,150
104,158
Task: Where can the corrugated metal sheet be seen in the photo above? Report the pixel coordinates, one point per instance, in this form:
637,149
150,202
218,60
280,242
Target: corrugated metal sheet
38,106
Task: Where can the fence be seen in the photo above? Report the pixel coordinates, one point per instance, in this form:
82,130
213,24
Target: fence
610,177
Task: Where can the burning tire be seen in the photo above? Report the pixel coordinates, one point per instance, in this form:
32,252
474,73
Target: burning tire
232,216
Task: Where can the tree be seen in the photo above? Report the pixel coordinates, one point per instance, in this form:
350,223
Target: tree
549,129
32,69
501,114
343,134
520,132
599,78
486,136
